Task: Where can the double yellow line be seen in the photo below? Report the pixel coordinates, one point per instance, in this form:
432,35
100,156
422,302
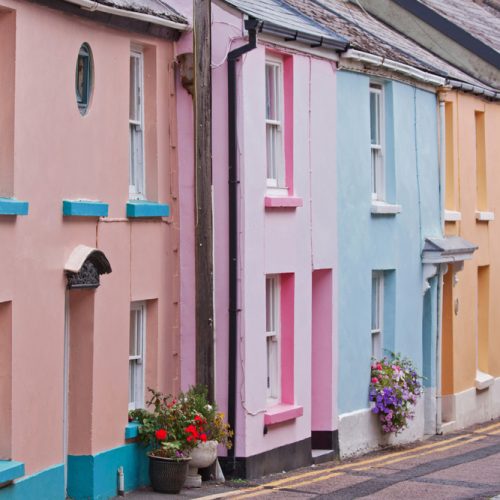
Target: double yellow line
315,476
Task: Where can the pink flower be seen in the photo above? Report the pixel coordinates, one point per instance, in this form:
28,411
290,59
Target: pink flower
374,380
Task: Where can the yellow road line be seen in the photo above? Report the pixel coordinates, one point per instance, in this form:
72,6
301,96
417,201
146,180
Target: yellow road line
489,427
478,438
334,471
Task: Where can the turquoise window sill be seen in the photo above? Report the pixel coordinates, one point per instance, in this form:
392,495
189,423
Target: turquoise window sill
10,206
131,430
10,470
84,208
140,208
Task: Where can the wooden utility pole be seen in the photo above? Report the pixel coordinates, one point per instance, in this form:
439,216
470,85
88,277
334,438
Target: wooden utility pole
202,49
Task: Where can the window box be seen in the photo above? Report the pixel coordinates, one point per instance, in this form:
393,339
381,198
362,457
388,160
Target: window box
382,208
10,470
282,413
140,208
484,216
10,206
84,208
131,430
452,216
283,202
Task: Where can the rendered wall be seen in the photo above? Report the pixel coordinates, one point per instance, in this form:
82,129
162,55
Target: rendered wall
61,155
471,350
383,242
295,241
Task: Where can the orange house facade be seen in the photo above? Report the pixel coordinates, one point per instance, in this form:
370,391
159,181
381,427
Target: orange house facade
471,322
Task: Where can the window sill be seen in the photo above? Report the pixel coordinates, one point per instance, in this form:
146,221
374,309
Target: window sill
131,430
383,208
140,208
452,216
10,206
483,380
282,413
283,202
10,470
484,216
84,208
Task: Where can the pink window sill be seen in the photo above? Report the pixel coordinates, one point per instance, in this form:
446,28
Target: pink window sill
283,202
282,413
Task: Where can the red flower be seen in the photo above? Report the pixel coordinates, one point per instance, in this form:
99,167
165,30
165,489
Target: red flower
161,434
379,366
199,419
374,380
203,437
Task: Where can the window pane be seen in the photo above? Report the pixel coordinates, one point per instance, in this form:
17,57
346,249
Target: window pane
271,92
133,88
271,151
375,303
375,117
131,382
270,306
133,334
376,345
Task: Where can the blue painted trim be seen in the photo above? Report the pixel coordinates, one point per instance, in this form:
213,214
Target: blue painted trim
95,476
84,208
10,470
49,481
131,430
140,208
10,206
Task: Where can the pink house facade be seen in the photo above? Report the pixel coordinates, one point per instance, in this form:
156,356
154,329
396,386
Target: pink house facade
89,190
275,323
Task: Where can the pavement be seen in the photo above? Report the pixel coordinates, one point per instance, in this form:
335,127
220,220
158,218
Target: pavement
459,465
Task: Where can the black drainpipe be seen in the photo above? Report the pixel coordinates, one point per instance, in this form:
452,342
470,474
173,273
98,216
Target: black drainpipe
251,26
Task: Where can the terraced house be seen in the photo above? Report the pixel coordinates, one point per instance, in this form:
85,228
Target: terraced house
88,185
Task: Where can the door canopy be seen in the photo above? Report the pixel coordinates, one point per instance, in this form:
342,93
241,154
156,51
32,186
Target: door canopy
84,267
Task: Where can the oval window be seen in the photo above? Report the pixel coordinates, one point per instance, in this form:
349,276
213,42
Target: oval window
84,78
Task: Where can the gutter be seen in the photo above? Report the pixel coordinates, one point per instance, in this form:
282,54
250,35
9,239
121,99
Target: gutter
147,18
468,87
251,25
405,69
417,74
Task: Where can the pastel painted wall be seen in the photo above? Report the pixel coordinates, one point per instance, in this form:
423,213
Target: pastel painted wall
58,154
471,326
294,241
391,243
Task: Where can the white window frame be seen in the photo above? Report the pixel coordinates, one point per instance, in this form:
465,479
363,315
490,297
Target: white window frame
137,359
273,344
275,132
377,323
137,184
377,149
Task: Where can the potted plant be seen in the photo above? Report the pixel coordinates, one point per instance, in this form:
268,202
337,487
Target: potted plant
209,429
394,389
163,429
174,428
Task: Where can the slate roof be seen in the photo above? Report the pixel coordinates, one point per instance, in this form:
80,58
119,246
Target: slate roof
155,8
279,13
366,33
480,18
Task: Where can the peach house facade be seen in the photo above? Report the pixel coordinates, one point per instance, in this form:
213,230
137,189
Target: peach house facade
88,186
471,337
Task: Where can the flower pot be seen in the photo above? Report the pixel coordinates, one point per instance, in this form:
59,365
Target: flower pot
167,475
202,456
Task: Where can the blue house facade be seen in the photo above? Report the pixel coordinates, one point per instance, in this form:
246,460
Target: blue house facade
388,204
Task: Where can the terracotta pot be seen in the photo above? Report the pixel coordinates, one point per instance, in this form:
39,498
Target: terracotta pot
202,456
167,475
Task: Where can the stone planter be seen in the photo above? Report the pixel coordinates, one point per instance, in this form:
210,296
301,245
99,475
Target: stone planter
167,475
202,456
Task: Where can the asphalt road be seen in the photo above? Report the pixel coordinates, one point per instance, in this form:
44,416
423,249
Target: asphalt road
462,465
